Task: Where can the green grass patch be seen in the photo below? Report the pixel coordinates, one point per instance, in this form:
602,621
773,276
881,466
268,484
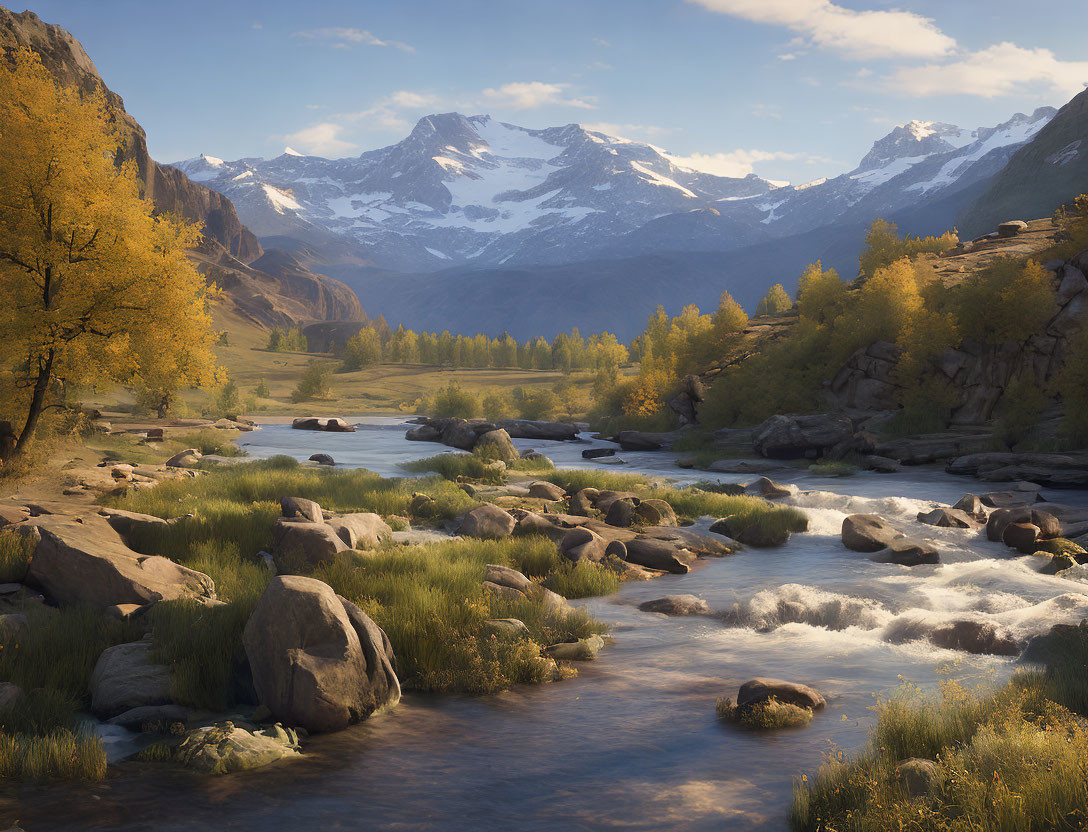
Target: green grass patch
59,754
452,466
14,557
574,480
211,441
1009,759
432,605
751,518
771,715
833,469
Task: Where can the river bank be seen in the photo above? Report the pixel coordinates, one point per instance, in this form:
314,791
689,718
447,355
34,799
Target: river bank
633,741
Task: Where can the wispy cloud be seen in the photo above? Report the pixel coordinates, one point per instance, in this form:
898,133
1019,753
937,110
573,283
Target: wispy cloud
646,132
531,95
320,140
1001,69
601,42
854,34
766,111
340,37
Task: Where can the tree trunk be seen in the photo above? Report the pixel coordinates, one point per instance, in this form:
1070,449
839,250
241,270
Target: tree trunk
37,401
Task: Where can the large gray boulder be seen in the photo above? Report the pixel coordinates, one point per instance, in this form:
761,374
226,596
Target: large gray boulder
659,554
583,544
636,440
318,661
543,490
89,563
792,436
361,530
1048,525
952,518
487,522
906,551
124,677
301,508
867,533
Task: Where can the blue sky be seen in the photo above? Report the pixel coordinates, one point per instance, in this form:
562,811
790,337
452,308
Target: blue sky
792,89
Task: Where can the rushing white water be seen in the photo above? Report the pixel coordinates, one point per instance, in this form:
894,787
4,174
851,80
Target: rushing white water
633,742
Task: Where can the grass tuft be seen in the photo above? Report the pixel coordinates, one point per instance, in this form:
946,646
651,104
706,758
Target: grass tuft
771,715
14,557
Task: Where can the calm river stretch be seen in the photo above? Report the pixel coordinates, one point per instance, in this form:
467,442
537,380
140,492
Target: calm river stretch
632,743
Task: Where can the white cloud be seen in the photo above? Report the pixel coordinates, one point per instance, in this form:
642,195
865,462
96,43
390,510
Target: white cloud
787,56
736,163
1001,69
601,42
627,131
856,34
406,99
766,111
340,37
530,95
320,140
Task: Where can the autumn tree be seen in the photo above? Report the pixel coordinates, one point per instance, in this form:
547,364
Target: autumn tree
96,289
775,302
364,349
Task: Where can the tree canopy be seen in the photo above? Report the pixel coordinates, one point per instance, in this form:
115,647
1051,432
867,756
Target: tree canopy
96,289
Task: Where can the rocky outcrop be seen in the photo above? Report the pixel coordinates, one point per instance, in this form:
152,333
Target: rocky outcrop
1056,470
88,562
798,436
318,661
867,379
332,424
465,433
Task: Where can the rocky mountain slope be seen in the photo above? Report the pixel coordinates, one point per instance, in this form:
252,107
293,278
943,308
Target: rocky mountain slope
1040,176
229,248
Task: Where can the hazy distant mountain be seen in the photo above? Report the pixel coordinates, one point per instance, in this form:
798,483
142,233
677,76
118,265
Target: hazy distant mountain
1040,176
472,191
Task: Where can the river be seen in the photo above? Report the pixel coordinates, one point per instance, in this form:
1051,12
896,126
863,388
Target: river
632,743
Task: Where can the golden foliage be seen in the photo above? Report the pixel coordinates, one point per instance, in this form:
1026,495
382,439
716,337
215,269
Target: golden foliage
96,288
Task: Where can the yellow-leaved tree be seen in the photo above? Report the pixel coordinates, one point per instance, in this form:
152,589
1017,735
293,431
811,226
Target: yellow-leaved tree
96,289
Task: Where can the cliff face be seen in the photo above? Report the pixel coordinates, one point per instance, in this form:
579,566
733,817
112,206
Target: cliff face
286,294
167,188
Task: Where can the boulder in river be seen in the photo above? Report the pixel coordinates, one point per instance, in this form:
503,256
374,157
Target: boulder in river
496,445
487,521
978,637
598,453
867,533
1048,524
579,650
1021,537
971,505
766,487
318,661
676,605
906,551
948,518
332,424
322,459
537,430
225,748
795,436
659,554
636,440
761,689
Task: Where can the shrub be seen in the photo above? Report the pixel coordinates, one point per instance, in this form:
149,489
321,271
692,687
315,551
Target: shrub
1021,405
452,401
315,382
287,340
535,404
451,466
1007,301
229,403
1072,385
218,442
261,391
775,302
495,407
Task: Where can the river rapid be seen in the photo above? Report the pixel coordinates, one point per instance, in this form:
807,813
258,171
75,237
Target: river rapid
632,743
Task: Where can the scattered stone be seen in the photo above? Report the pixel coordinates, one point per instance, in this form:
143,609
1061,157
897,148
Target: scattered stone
1011,228
1048,525
312,542
676,605
507,628
1021,537
186,459
581,504
622,512
584,649
318,661
124,678
761,689
291,507
361,530
882,464
766,487
598,453
906,551
659,554
487,522
225,748
1010,499
655,513
546,491
950,518
582,544
744,466
972,506
322,459
916,776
